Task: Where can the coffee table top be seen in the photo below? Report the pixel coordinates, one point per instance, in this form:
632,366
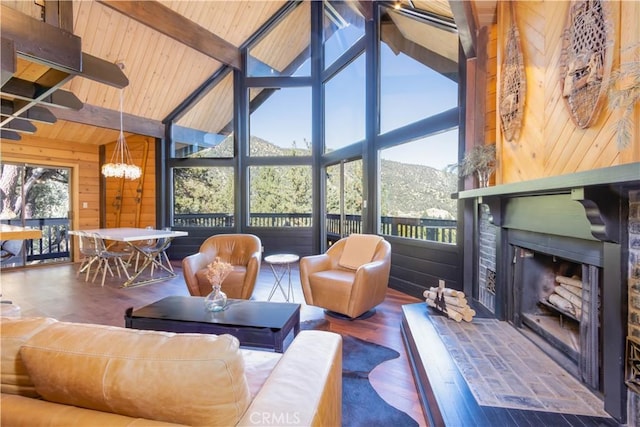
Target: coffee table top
259,314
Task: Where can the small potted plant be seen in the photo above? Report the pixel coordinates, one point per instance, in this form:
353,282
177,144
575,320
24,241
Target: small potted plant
479,161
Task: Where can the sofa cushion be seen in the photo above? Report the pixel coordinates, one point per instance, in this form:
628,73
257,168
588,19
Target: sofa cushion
180,378
15,332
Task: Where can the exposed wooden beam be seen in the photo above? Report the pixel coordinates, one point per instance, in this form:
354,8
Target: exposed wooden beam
9,134
465,19
59,13
59,49
21,126
110,119
28,91
101,71
164,20
34,114
365,7
41,42
8,60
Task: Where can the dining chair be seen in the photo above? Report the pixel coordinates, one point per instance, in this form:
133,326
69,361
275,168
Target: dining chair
89,253
103,256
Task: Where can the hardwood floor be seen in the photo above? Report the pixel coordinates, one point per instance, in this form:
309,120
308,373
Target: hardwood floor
55,291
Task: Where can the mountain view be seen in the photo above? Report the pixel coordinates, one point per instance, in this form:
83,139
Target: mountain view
408,190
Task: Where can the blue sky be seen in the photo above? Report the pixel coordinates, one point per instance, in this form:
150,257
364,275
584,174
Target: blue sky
409,92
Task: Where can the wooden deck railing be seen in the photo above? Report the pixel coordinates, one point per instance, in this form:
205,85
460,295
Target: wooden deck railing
436,230
54,243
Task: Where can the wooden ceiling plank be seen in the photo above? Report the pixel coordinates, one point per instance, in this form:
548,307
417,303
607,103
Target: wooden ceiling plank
110,119
164,20
465,20
42,42
8,60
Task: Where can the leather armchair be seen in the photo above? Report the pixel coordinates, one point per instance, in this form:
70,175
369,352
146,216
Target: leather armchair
348,292
242,251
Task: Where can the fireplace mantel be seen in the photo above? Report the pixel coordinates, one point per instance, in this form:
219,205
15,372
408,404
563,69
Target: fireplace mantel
614,175
595,190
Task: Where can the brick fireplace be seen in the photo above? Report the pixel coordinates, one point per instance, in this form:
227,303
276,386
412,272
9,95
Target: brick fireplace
579,229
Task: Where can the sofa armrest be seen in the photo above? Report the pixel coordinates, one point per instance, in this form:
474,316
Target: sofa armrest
305,387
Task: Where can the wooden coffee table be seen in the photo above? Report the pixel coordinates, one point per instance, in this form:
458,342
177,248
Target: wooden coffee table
255,323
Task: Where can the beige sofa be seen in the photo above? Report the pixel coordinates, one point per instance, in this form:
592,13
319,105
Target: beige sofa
71,374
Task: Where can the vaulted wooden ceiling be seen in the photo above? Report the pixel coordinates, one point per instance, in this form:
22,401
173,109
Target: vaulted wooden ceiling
167,50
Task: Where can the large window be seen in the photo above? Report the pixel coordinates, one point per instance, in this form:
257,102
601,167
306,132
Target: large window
203,197
418,70
285,50
280,122
344,195
280,196
416,188
343,26
418,80
345,106
206,128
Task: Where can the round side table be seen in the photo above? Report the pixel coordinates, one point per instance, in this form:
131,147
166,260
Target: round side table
280,265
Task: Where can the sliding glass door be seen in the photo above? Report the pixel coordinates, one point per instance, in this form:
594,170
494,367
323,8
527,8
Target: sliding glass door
36,197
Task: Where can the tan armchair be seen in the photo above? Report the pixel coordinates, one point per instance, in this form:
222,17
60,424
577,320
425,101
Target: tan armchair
349,279
243,251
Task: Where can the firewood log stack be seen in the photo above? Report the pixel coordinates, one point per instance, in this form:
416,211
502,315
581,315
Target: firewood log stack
450,302
567,295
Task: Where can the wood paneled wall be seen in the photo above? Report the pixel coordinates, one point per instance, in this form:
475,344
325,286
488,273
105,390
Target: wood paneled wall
550,144
133,203
84,161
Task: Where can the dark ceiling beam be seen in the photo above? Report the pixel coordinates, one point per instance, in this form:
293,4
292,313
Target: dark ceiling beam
21,126
46,44
8,61
110,119
41,42
34,114
101,71
59,13
365,7
28,91
9,134
164,20
467,29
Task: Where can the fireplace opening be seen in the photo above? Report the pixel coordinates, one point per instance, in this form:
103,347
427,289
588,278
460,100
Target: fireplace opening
557,304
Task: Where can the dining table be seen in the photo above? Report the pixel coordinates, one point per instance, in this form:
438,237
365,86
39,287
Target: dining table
130,236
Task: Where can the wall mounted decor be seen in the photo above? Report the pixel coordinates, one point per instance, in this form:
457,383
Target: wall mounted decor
585,60
513,84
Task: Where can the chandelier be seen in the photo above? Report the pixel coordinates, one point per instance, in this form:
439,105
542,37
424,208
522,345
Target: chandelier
121,164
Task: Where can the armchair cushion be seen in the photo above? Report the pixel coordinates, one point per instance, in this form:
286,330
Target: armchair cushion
242,251
347,291
358,250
